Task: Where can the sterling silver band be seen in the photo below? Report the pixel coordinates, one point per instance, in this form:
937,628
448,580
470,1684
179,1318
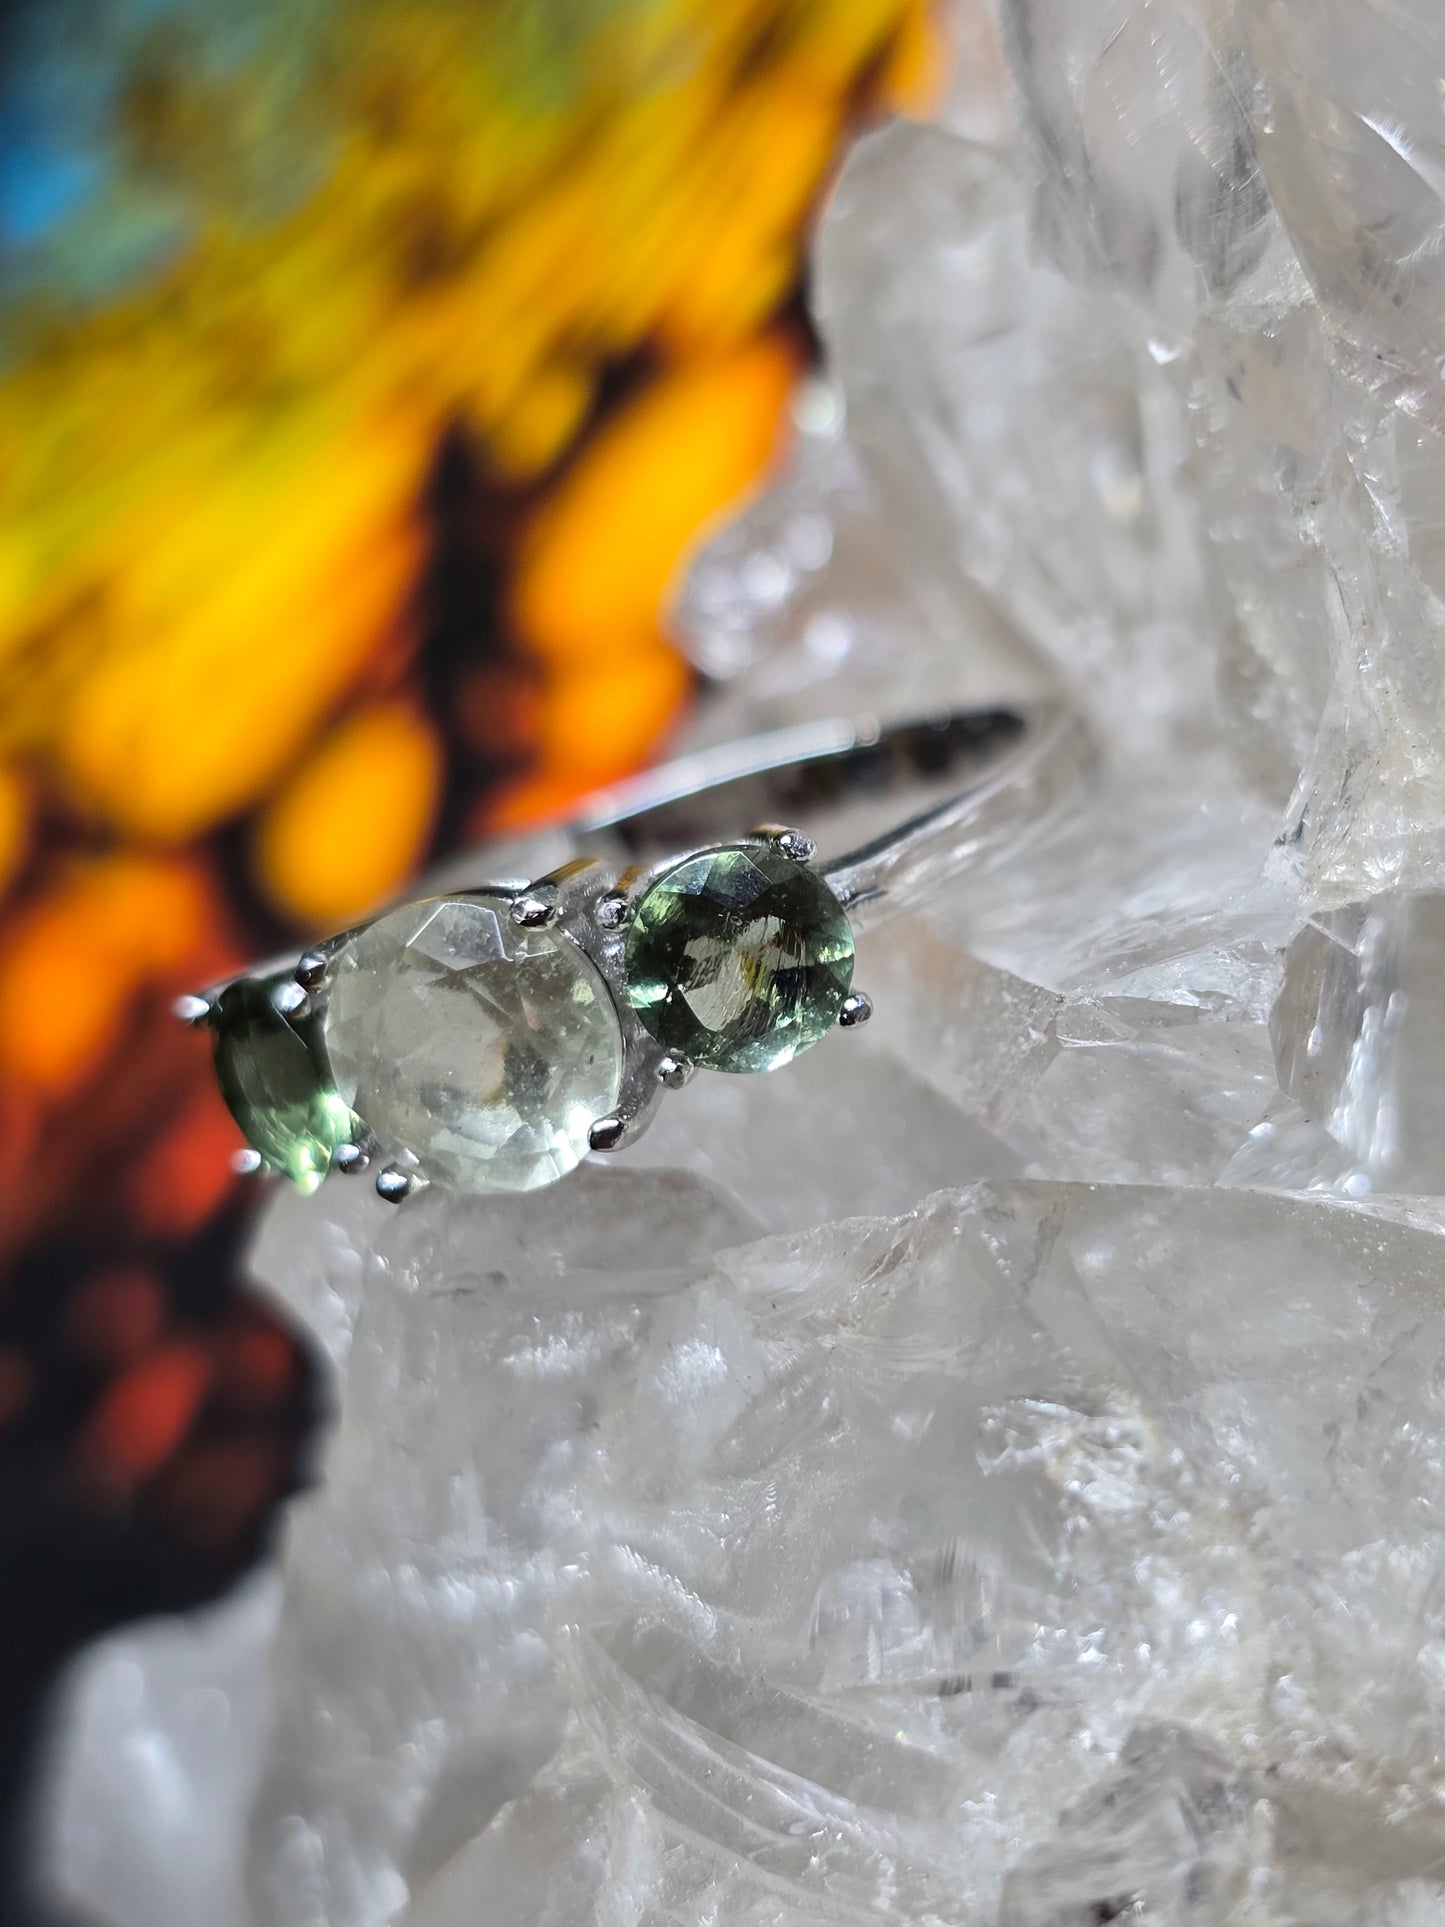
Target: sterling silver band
974,782
538,1020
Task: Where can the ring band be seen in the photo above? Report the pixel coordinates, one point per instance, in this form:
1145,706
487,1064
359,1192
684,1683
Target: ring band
487,1039
977,779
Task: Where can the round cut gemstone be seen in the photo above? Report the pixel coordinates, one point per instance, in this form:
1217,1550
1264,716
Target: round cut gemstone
739,958
478,1054
276,1083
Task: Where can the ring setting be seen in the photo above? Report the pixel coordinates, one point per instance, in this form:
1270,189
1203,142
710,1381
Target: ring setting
487,1040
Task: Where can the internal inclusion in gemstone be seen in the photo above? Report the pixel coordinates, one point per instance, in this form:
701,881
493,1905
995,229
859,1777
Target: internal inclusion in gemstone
477,1053
277,1085
739,958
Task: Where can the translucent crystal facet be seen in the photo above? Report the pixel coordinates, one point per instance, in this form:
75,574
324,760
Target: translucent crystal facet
276,1084
477,1052
739,958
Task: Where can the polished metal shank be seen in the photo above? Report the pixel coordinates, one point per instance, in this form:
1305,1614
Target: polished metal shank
970,784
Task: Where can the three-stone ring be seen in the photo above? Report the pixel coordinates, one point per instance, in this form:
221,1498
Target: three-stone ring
487,1039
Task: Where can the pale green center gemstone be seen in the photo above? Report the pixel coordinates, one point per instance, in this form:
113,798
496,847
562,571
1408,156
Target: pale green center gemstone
476,1052
739,958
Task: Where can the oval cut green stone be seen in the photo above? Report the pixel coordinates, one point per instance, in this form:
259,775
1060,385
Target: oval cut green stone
739,958
276,1083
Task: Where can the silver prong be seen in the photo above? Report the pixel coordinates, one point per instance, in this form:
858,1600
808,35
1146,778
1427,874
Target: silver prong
192,1010
535,910
606,1134
247,1163
393,1185
611,910
794,843
857,1008
673,1072
549,899
311,969
291,999
350,1159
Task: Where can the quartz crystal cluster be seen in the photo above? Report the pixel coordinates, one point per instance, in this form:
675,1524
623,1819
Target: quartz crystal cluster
992,1473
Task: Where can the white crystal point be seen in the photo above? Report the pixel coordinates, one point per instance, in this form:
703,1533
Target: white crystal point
478,1052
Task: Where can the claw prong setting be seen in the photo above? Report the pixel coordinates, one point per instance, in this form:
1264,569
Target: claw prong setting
292,1000
311,969
606,1134
794,843
535,910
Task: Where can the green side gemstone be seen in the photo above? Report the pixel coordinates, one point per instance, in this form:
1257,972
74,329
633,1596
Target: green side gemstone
739,958
277,1084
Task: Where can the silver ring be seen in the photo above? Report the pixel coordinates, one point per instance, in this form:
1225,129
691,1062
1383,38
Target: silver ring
487,1039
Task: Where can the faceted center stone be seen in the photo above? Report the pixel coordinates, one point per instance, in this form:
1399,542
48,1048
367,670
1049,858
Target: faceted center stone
276,1083
476,1052
739,958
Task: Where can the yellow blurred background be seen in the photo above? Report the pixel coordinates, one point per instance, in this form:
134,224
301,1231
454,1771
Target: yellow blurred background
368,371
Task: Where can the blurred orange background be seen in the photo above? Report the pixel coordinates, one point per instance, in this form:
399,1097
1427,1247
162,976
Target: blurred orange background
368,372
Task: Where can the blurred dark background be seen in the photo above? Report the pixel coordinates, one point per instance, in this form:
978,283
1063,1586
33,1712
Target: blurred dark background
368,370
